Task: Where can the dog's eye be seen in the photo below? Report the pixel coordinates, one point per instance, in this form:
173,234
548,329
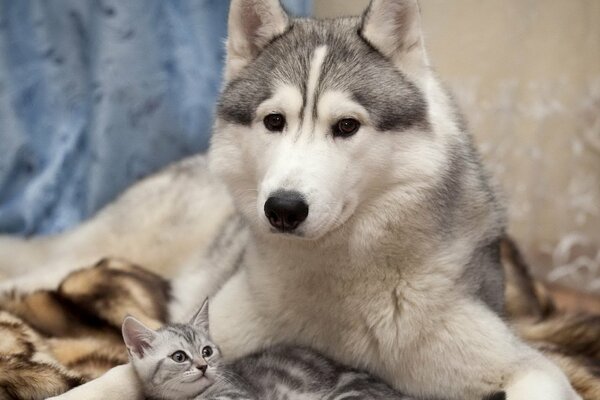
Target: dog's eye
345,127
179,356
207,351
274,122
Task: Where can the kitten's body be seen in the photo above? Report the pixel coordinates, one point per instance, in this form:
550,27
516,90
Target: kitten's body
294,373
279,373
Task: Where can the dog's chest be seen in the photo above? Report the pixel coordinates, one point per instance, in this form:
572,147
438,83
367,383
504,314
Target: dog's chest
361,309
362,314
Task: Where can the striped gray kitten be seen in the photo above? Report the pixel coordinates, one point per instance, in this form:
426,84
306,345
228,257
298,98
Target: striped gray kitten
180,362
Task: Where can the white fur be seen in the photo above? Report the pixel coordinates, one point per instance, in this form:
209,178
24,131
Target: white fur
395,331
538,384
316,65
119,383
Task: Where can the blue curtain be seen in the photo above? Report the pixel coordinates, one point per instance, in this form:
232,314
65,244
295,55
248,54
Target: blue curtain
97,94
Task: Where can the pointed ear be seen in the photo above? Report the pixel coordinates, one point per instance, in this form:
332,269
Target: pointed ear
137,336
394,28
252,25
200,319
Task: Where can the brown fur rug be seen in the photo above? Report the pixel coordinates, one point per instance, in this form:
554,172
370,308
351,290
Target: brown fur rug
51,341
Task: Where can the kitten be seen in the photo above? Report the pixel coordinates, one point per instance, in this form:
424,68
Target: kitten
180,362
175,362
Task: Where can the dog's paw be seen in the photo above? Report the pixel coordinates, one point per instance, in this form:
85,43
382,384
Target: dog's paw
8,287
49,279
121,382
21,284
541,385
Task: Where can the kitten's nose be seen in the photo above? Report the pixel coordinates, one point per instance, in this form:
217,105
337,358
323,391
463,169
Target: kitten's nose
202,368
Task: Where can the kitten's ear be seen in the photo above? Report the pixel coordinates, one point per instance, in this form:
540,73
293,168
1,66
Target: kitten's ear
394,28
137,336
200,319
252,24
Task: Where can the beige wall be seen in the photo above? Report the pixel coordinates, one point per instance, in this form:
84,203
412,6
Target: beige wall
527,76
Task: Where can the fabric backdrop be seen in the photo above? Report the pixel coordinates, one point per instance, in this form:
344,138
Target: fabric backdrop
97,94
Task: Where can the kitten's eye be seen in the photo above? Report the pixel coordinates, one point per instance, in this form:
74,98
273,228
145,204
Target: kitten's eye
207,351
179,356
345,127
274,122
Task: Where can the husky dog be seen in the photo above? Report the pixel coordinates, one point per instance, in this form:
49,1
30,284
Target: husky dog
360,220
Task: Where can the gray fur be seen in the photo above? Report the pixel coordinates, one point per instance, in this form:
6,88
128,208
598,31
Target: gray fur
463,196
351,64
395,104
164,378
279,373
287,373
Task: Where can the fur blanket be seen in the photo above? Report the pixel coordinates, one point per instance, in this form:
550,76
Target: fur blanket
51,341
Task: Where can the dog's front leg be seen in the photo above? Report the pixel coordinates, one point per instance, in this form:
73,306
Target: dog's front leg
119,383
525,373
465,351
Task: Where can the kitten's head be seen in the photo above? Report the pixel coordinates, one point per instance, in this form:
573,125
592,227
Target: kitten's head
178,361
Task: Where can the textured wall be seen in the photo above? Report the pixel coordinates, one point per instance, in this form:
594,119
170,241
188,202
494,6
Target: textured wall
527,75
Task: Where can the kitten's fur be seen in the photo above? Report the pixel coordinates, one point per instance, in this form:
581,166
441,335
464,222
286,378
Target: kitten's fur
151,353
282,372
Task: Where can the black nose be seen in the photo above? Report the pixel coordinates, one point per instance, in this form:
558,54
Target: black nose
286,210
202,368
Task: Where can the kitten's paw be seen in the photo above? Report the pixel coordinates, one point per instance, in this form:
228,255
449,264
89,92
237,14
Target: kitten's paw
541,385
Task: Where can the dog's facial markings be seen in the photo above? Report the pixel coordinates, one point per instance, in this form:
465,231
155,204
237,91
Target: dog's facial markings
392,100
395,112
311,104
241,98
314,75
317,60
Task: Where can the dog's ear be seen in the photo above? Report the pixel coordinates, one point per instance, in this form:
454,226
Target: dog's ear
137,336
394,28
200,319
252,25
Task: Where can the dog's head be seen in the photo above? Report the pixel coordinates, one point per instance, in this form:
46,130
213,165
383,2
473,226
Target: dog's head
320,118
